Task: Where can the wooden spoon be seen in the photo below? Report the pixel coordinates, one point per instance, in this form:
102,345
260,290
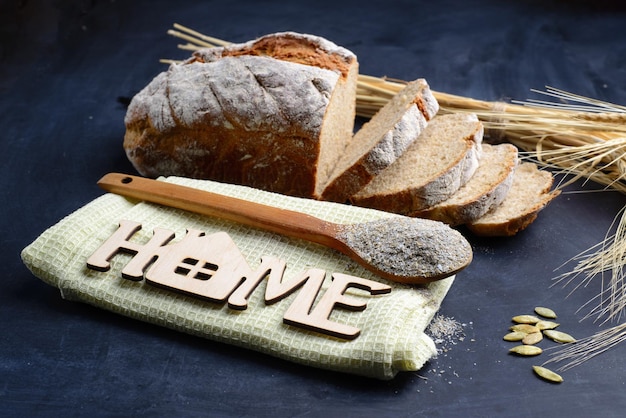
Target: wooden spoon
398,248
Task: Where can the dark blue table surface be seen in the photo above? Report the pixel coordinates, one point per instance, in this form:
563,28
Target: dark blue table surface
68,68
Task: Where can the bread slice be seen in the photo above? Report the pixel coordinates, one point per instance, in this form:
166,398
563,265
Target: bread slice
487,188
274,113
381,141
432,169
529,193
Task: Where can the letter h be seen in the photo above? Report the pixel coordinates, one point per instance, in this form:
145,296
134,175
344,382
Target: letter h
143,254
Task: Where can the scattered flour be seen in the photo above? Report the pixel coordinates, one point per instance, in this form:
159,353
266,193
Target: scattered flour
445,332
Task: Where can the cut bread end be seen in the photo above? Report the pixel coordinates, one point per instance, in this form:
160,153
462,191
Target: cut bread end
530,192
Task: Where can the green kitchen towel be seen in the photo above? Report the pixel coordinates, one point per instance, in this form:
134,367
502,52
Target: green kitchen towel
391,328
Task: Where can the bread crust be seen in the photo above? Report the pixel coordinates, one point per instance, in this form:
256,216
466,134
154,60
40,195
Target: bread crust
294,47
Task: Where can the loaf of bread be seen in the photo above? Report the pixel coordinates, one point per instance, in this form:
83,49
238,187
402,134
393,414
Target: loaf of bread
277,113
381,140
530,192
433,168
486,189
274,113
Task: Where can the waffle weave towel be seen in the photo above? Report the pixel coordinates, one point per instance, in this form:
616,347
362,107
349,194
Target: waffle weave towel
391,339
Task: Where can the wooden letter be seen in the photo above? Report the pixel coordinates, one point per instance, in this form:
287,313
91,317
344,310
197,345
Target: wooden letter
272,266
302,313
118,242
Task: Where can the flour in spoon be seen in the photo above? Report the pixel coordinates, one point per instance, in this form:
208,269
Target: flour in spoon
409,247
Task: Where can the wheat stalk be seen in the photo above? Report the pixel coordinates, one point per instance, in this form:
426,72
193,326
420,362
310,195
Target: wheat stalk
577,136
586,348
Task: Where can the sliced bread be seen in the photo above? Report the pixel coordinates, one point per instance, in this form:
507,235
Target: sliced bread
380,141
432,169
530,192
487,188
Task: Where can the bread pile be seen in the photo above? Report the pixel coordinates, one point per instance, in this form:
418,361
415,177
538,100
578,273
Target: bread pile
278,114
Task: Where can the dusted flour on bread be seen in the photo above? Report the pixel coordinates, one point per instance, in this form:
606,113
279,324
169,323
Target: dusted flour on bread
274,113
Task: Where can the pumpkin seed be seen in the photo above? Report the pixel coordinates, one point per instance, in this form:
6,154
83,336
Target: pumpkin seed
525,319
545,312
558,336
547,374
526,350
515,336
543,325
533,338
525,328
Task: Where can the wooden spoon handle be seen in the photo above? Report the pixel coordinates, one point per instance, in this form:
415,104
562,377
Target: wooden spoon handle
286,222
